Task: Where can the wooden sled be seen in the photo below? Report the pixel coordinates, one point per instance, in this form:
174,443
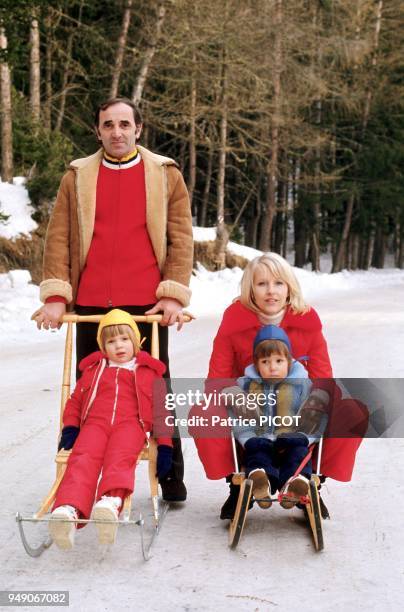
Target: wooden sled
314,508
149,452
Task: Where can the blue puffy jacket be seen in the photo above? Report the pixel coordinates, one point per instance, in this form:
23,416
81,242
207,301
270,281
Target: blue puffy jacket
280,399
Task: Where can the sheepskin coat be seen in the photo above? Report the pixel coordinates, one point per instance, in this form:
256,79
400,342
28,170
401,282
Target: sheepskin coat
70,230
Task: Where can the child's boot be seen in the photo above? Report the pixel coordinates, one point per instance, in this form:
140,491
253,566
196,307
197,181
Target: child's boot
261,488
62,531
295,488
258,463
107,509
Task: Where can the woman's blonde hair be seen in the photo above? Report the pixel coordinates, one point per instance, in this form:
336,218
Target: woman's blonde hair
280,269
117,330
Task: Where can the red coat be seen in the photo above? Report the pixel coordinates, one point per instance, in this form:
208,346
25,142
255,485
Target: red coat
232,347
232,352
147,371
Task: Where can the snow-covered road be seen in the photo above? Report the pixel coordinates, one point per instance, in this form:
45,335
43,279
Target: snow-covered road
275,566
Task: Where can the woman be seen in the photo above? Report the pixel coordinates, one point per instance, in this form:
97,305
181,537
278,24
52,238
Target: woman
270,294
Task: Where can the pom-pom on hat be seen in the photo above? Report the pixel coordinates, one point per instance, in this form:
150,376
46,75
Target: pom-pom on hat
117,317
272,332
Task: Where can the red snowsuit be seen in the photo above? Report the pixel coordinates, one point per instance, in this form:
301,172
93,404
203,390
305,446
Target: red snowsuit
232,353
113,408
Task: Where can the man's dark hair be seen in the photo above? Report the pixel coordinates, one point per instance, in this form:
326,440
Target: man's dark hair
111,102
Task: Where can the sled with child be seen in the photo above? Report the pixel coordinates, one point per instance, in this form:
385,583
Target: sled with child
159,507
312,505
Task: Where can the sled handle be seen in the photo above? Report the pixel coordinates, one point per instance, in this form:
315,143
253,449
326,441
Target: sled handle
74,318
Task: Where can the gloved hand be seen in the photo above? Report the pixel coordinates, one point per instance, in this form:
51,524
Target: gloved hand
68,437
164,460
312,414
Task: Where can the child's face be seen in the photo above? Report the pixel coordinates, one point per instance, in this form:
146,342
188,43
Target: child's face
119,348
275,366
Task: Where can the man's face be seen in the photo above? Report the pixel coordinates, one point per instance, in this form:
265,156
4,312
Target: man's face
117,130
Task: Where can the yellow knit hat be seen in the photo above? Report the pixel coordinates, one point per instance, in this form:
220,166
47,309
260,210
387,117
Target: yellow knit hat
117,317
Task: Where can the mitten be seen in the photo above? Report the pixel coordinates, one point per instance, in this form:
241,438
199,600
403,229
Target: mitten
68,437
313,414
235,399
164,460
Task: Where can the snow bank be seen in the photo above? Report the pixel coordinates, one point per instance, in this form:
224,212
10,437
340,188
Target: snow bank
312,283
18,300
15,203
204,234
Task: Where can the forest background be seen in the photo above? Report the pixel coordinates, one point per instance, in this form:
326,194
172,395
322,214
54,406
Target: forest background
286,116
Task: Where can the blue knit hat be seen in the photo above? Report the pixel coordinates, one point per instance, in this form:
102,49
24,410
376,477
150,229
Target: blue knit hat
272,332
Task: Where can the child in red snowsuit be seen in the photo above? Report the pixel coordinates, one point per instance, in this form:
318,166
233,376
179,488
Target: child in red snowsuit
110,413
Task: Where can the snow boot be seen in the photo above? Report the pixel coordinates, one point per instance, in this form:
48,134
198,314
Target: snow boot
261,487
295,488
173,490
62,531
107,509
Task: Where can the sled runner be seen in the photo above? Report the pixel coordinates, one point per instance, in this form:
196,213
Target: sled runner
149,452
312,505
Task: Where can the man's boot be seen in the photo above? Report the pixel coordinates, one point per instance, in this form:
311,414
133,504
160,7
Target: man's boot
172,486
229,507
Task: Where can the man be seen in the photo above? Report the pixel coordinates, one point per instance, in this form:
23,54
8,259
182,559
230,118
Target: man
120,235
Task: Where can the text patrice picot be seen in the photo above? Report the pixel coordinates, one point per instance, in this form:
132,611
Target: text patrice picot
241,400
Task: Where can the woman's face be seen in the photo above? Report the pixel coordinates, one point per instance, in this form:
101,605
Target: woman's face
270,293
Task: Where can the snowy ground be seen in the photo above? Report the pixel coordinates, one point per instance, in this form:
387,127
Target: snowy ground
275,566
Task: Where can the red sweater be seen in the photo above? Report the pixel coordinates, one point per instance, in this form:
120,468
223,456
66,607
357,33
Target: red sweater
121,268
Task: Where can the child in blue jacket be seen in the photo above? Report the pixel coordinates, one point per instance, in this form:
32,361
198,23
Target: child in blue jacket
275,447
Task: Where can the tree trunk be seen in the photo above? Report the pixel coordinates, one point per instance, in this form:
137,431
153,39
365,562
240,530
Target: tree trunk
6,113
251,232
354,258
280,218
272,167
182,153
206,191
315,231
339,259
379,250
47,107
398,242
286,208
222,236
65,81
299,221
149,54
35,72
121,49
400,252
369,250
366,112
66,73
192,139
